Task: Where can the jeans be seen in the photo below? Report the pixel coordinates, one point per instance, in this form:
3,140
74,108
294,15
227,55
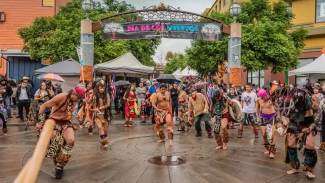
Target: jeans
21,105
197,122
175,107
323,128
7,106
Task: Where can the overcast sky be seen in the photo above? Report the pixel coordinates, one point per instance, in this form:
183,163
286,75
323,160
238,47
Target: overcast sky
175,45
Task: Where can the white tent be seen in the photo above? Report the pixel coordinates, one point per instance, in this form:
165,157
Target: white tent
177,71
186,72
125,65
315,67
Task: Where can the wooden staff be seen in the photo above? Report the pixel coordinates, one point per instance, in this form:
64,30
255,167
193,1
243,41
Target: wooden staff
30,171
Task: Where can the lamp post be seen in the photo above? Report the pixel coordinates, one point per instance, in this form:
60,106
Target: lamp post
87,6
234,47
87,43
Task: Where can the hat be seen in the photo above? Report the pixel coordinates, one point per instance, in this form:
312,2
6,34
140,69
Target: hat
182,86
25,78
281,82
79,91
274,82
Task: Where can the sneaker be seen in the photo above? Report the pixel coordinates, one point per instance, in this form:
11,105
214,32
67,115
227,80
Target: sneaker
198,135
256,135
239,136
58,172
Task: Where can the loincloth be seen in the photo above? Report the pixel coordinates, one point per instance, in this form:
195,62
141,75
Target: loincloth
267,119
182,106
160,116
58,141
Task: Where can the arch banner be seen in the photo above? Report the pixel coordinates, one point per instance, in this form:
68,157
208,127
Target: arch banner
159,29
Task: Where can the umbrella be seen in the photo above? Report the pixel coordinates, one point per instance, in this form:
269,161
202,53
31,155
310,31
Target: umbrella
121,82
200,83
167,78
51,77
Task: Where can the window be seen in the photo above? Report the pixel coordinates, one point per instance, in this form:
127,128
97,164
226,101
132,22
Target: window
48,3
256,78
225,2
320,11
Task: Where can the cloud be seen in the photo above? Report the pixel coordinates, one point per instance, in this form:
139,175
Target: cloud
174,45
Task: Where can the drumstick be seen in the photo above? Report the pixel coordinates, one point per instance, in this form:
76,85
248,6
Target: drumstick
30,173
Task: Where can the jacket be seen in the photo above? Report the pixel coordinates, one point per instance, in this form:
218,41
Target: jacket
174,94
28,91
8,91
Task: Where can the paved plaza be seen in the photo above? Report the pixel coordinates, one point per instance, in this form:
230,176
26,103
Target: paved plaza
126,159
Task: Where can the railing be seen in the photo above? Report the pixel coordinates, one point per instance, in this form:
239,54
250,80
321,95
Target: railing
30,171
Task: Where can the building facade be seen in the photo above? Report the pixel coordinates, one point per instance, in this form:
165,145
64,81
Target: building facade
15,14
309,14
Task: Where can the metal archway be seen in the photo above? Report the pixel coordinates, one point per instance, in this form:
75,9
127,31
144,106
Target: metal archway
159,13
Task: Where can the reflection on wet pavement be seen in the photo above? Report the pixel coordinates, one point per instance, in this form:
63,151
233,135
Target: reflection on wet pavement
135,156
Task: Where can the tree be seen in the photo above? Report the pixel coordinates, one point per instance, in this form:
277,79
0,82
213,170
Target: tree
171,55
266,41
56,37
178,61
161,58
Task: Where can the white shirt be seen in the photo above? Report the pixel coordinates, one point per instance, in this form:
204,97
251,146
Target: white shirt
249,102
23,94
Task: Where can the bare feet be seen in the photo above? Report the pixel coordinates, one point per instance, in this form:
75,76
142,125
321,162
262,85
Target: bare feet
219,147
310,175
171,142
5,134
161,141
271,155
224,146
80,126
105,146
293,171
90,133
267,152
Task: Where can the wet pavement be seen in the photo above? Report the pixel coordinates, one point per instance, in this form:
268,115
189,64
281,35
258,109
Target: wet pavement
134,155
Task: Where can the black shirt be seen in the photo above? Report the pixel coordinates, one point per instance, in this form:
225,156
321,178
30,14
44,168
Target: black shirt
174,94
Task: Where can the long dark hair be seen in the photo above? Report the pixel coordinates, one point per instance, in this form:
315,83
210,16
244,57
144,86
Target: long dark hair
98,95
128,91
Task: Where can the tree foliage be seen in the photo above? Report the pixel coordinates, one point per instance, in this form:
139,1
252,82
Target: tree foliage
57,37
266,41
175,61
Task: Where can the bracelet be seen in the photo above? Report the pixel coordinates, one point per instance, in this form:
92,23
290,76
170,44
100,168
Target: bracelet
41,118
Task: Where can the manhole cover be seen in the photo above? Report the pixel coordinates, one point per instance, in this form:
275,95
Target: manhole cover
167,160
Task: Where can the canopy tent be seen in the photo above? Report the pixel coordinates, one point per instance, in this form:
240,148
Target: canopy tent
315,67
125,65
186,72
177,72
68,67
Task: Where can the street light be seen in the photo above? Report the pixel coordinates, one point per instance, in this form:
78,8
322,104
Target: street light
235,10
87,6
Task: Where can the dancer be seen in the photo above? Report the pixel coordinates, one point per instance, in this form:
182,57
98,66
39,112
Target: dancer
145,107
62,141
85,113
220,114
130,99
163,114
248,101
297,115
3,114
322,123
182,108
100,103
198,106
265,109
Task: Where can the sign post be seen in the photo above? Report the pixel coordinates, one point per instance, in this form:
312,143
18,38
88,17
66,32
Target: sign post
81,62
